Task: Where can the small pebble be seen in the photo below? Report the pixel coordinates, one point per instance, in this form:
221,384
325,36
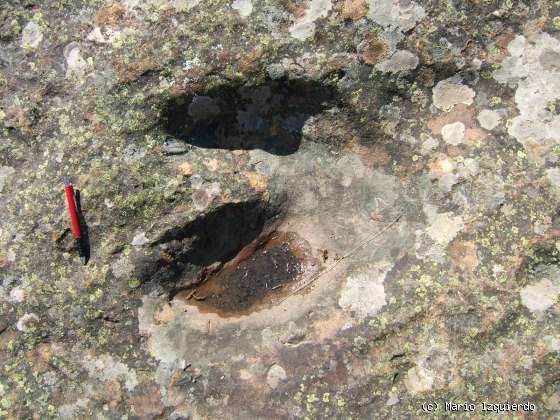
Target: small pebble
175,147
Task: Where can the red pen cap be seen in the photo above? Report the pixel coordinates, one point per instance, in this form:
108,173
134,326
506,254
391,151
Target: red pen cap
69,189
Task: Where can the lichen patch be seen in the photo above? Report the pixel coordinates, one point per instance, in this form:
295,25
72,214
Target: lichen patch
400,61
105,368
541,294
31,36
489,119
395,14
535,70
453,133
450,92
443,226
243,7
304,27
363,294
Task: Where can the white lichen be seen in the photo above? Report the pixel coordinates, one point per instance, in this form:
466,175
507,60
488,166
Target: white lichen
443,227
535,70
23,324
400,61
363,294
76,66
31,35
106,368
418,380
540,295
96,36
428,145
140,239
6,172
395,14
468,168
304,27
450,92
489,119
276,374
553,175
453,133
243,7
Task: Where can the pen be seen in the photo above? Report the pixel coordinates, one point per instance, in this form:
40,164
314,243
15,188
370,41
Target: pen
69,189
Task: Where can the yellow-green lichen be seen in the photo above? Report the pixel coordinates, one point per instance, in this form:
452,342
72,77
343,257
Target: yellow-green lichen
134,283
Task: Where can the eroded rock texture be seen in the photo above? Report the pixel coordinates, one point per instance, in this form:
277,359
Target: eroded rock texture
301,209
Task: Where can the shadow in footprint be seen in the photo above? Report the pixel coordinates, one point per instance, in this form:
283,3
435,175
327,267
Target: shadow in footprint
208,241
219,235
269,116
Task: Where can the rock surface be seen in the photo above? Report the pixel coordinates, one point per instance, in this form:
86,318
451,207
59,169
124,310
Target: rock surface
302,209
